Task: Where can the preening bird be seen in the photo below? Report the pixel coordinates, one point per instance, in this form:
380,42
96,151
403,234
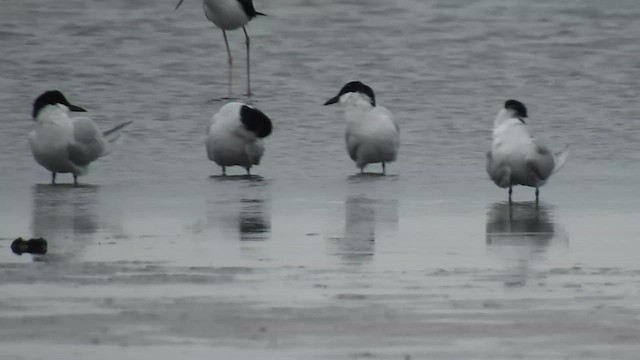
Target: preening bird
231,15
62,144
235,136
372,135
516,157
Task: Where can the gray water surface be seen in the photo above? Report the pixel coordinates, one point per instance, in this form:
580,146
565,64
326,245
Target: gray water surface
156,255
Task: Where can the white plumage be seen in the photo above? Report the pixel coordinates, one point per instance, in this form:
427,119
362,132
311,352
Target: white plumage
235,136
372,135
225,14
62,144
516,158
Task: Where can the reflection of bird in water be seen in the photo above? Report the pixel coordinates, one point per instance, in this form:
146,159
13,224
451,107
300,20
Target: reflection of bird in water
520,222
519,233
240,209
360,229
254,222
65,217
362,216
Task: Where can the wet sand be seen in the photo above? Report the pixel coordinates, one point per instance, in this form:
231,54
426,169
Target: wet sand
362,277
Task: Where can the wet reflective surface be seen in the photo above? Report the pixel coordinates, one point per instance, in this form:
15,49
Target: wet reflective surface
520,235
156,255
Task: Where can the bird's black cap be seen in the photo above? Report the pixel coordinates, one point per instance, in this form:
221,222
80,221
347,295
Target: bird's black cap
52,97
255,121
357,87
518,107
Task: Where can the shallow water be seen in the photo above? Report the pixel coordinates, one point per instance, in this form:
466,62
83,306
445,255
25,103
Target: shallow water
157,255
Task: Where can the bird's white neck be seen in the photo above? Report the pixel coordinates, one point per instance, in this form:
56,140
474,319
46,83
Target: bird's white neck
504,116
53,113
356,101
505,120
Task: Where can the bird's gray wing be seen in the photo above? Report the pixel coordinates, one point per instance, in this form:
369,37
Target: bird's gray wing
88,143
541,162
352,146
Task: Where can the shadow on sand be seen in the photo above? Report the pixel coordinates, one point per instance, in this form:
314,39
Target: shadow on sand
256,178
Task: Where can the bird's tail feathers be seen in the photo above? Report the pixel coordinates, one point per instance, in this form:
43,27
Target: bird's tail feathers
113,135
560,158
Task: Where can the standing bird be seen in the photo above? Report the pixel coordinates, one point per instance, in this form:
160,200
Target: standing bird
235,136
231,15
516,158
62,144
372,135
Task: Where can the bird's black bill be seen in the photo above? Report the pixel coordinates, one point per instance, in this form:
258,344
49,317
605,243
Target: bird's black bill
76,108
179,3
333,100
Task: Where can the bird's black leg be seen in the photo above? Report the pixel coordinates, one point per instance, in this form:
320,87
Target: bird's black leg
248,171
510,212
537,194
248,42
53,178
229,60
384,169
75,180
224,171
510,191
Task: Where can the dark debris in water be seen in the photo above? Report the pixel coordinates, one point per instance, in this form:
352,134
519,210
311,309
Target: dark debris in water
37,246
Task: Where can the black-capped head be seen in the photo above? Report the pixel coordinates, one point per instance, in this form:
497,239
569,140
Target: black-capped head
52,97
255,121
518,108
354,87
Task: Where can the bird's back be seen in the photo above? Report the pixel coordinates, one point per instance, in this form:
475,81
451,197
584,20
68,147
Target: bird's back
528,162
511,142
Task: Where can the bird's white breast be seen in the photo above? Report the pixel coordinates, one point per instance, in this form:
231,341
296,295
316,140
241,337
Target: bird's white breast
51,138
372,136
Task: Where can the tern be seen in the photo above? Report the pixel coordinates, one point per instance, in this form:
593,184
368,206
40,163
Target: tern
372,135
516,157
235,136
62,144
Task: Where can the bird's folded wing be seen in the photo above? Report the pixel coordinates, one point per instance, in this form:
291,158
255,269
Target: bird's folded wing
352,146
541,162
88,143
